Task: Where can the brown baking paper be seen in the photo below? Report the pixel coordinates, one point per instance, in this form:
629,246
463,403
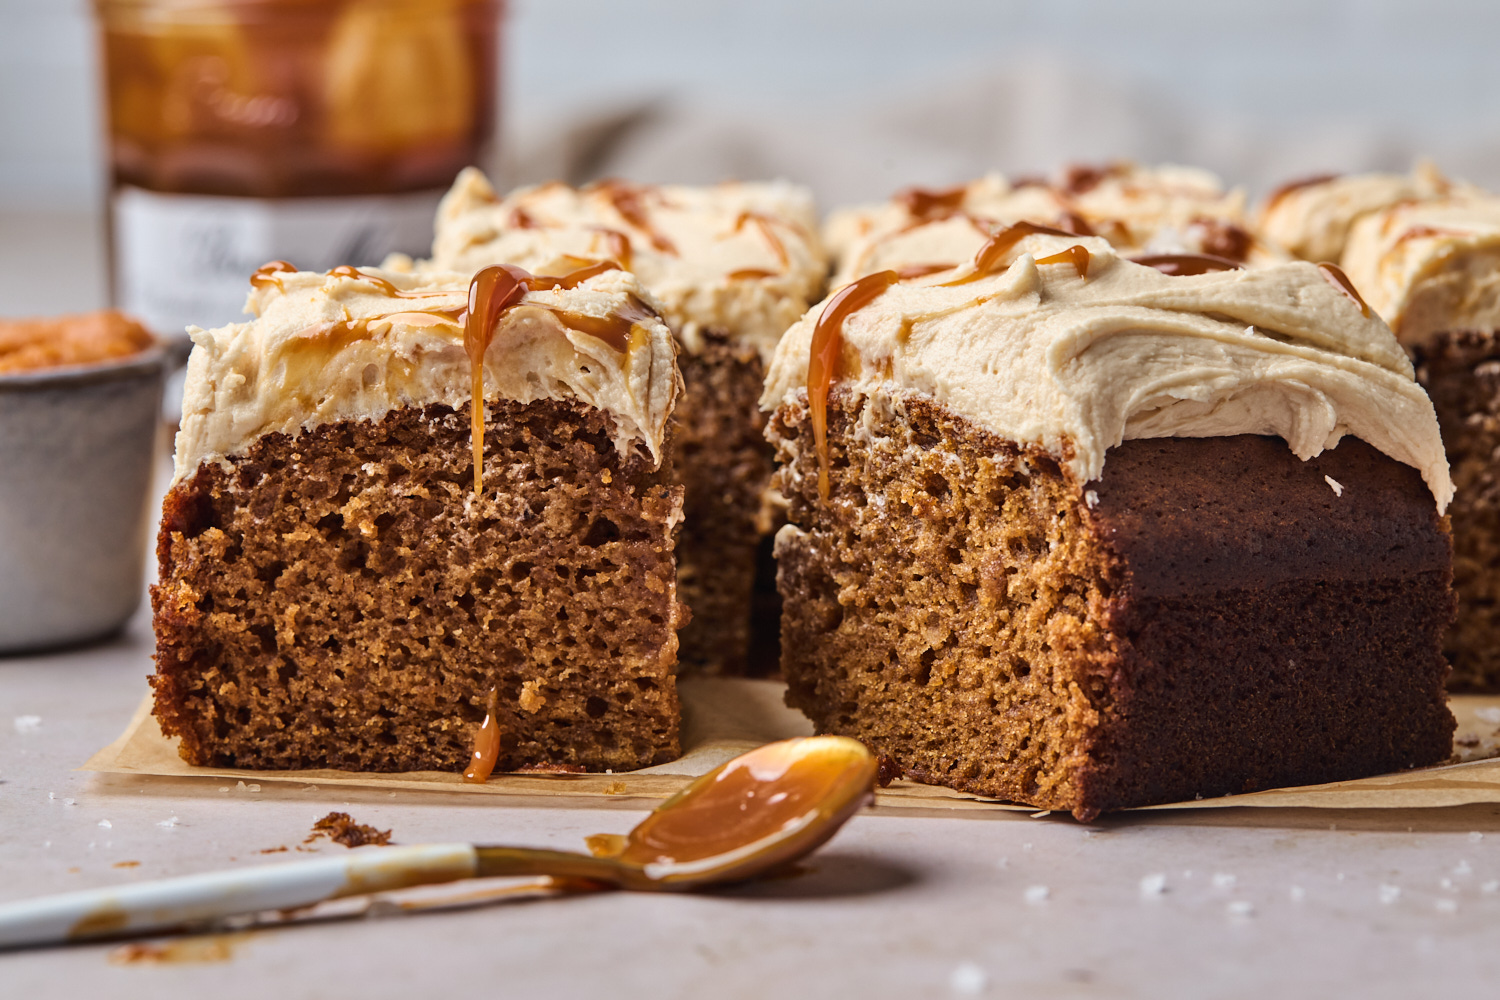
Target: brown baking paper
723,718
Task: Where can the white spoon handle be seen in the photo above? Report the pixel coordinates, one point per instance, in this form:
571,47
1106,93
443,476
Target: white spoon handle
169,903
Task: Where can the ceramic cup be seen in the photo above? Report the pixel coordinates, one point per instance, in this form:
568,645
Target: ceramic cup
77,451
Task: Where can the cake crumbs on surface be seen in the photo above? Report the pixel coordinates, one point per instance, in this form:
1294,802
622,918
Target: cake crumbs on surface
551,769
531,699
340,828
1338,487
126,864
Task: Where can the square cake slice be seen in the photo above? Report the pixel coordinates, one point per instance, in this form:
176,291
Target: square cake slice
358,563
1069,531
733,266
1431,267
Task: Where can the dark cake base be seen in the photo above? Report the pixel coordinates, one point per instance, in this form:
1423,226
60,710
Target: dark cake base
341,599
1210,618
1461,372
724,464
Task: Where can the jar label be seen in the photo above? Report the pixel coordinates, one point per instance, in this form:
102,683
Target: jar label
186,259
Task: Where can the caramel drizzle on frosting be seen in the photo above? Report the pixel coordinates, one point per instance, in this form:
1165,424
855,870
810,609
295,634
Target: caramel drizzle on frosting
928,205
618,243
1336,277
911,271
500,287
268,274
1297,185
764,222
827,347
1076,255
629,201
1185,264
988,258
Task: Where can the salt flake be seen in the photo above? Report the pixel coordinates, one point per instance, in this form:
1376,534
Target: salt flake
1223,880
1389,894
28,723
1338,487
968,979
1153,885
1037,894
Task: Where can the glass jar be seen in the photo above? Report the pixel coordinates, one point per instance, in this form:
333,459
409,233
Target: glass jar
322,132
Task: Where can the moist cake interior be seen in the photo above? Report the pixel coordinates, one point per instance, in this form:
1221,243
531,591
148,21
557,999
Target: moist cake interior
342,599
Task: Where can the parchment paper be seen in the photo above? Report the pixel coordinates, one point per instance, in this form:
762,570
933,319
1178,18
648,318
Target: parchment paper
723,718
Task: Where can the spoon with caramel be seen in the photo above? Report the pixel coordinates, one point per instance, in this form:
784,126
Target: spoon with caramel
753,816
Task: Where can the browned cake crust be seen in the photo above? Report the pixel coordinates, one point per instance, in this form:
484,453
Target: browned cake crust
1212,620
341,599
724,464
1461,372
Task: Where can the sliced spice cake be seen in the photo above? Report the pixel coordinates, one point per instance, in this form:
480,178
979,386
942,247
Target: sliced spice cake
1069,531
358,563
733,265
1432,269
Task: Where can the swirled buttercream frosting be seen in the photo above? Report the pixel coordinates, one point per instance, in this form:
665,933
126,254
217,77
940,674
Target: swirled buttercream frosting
1076,352
357,344
742,259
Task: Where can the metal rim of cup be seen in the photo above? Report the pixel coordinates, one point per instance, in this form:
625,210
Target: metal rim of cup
161,356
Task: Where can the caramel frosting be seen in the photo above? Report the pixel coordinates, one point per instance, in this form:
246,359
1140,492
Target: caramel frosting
741,259
1430,266
1312,218
1074,363
357,344
1140,211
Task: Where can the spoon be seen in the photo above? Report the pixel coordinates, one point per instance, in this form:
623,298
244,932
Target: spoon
756,814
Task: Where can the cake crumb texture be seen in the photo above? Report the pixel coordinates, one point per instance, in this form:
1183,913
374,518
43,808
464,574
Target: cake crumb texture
1461,371
341,598
723,462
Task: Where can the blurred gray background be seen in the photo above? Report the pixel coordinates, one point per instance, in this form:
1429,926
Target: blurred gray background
856,98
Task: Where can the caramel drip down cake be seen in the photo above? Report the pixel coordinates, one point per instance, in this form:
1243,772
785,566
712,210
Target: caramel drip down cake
1069,531
399,501
1141,211
733,266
